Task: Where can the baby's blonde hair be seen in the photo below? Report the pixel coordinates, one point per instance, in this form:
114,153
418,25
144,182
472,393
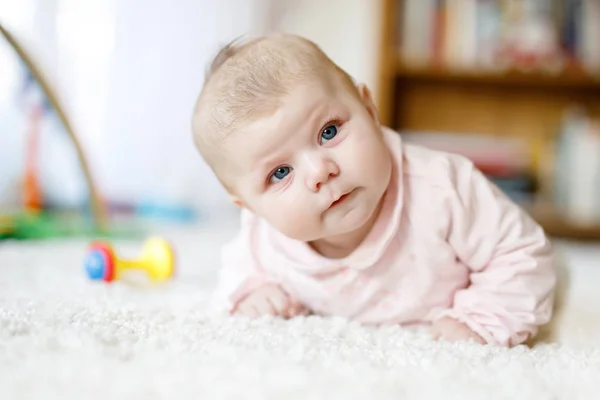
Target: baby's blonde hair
247,80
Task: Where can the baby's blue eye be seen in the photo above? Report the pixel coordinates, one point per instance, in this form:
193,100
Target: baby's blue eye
328,133
279,174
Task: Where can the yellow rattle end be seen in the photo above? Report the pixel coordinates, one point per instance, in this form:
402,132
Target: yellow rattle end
157,260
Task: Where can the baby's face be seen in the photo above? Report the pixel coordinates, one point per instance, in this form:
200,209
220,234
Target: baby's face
315,168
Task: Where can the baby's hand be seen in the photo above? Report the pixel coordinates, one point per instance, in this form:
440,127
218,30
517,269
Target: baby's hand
452,330
269,299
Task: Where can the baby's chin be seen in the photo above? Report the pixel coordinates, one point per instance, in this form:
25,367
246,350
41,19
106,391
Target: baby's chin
324,230
305,230
302,235
357,217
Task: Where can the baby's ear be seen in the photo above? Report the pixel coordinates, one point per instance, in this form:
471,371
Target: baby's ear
367,99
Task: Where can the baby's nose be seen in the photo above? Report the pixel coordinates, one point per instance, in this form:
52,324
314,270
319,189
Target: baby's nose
320,172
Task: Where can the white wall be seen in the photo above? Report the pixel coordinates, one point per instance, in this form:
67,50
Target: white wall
135,76
130,71
347,30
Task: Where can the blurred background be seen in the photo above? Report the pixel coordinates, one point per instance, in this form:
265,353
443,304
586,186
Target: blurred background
512,84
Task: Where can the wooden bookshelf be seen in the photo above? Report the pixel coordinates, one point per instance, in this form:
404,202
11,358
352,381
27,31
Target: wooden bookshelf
557,226
564,80
522,104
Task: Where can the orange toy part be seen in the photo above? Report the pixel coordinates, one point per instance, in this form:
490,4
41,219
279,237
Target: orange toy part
32,193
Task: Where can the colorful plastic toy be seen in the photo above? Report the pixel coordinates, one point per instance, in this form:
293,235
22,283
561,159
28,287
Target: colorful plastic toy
157,260
32,218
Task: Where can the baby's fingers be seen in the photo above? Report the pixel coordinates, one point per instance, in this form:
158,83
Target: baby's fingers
279,302
264,306
254,307
296,308
246,309
286,306
436,333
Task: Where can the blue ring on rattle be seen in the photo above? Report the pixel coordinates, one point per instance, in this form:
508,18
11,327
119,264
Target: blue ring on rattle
95,265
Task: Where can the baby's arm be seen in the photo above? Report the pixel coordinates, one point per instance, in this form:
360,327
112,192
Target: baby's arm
244,287
512,273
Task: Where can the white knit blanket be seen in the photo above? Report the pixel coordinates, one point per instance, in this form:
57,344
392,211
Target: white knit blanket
64,337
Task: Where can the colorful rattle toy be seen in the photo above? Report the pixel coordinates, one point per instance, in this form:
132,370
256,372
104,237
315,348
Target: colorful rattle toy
156,259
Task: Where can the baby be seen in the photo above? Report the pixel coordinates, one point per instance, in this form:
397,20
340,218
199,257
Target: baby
340,217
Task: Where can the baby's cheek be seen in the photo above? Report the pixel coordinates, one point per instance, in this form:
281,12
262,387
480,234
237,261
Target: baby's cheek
297,224
294,221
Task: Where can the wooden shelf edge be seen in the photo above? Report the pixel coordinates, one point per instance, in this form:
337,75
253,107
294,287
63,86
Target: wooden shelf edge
559,227
568,79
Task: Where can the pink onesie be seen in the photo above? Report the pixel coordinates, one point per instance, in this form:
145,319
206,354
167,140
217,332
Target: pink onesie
446,243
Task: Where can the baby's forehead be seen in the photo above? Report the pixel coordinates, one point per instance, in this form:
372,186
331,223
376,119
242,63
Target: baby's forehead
305,103
247,151
302,112
252,82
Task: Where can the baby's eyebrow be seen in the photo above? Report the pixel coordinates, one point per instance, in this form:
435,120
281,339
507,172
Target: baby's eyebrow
312,122
267,160
319,113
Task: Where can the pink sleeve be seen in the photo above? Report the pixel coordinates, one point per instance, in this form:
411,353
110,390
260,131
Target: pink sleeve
511,261
241,272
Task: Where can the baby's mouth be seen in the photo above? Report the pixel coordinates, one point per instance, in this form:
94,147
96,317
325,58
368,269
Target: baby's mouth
341,199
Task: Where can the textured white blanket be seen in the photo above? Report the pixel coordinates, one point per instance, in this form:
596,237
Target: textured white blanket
64,337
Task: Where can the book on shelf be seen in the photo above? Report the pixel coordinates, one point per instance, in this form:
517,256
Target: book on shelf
568,177
497,35
575,170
